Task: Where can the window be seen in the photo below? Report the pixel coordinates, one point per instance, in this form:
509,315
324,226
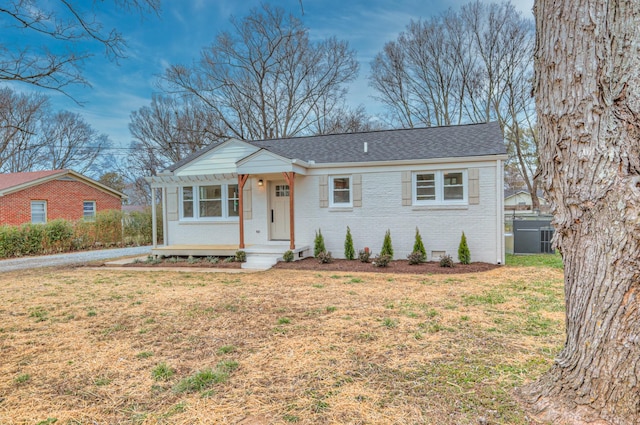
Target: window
440,187
38,212
89,210
340,187
282,190
210,202
233,200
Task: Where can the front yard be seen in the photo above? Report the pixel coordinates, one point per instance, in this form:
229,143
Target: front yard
278,347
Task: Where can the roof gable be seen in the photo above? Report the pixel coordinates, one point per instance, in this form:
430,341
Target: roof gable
219,159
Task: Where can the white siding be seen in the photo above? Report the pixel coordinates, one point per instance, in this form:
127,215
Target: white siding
203,233
218,161
263,163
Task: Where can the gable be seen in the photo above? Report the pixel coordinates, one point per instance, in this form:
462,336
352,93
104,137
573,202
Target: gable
263,161
219,160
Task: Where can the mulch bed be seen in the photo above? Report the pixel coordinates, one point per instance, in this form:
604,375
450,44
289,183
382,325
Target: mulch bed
397,266
338,265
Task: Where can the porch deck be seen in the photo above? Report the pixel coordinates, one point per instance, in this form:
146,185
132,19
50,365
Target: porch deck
261,256
195,250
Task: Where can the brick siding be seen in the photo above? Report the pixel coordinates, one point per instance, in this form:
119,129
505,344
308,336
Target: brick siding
64,200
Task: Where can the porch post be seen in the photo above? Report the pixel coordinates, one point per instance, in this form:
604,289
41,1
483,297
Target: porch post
242,179
290,178
154,219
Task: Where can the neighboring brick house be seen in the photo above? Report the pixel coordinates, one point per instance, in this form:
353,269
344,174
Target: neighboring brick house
41,196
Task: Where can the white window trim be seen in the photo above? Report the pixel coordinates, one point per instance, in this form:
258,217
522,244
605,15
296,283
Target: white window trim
333,204
224,187
439,183
44,203
95,211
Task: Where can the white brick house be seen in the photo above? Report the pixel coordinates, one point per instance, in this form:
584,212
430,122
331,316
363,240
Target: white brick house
238,195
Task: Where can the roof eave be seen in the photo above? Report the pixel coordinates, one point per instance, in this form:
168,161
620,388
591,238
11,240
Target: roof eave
416,161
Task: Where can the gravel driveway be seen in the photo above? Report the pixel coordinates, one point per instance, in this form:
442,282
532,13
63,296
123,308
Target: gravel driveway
70,258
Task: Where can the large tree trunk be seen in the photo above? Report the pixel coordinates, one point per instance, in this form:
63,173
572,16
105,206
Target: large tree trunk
588,104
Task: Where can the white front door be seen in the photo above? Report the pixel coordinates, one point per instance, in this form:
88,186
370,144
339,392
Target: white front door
279,210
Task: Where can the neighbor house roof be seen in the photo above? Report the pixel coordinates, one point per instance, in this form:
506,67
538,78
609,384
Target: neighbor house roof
385,145
14,182
11,180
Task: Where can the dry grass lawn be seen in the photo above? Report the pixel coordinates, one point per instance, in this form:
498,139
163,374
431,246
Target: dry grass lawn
81,346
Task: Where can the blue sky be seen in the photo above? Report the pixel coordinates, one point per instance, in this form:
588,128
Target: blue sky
186,26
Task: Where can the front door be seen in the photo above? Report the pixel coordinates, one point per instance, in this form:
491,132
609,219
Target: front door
279,210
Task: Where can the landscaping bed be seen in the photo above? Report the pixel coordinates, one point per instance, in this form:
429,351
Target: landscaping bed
397,266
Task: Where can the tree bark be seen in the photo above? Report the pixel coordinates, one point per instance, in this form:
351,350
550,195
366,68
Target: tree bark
588,103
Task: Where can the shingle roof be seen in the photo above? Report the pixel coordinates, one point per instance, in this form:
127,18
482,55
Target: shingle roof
385,145
393,145
10,180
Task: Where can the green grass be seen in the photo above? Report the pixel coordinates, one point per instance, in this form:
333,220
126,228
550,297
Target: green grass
21,379
535,260
226,349
203,379
39,313
162,372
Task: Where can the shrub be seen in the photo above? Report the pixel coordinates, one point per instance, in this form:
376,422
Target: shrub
349,251
415,258
446,261
382,260
59,234
318,244
324,257
387,248
32,238
464,255
108,226
363,255
288,256
241,256
418,247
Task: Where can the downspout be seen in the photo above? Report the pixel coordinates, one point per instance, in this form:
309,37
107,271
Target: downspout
500,211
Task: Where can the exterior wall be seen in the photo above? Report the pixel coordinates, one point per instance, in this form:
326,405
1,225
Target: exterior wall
382,209
198,232
440,226
64,200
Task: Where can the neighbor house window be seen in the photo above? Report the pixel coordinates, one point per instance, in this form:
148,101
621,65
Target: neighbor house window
89,210
440,187
340,187
209,202
38,212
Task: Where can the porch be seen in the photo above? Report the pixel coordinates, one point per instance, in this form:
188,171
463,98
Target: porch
261,257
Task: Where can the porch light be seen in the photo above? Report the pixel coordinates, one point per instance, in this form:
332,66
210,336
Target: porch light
260,182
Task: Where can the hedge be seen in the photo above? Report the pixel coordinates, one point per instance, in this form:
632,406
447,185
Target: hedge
110,229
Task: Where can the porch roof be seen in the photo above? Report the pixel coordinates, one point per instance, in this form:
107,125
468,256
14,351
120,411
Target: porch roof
164,180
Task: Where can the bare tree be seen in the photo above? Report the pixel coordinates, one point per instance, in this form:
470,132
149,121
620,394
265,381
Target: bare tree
70,30
471,65
344,120
167,131
587,88
68,141
20,118
266,78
